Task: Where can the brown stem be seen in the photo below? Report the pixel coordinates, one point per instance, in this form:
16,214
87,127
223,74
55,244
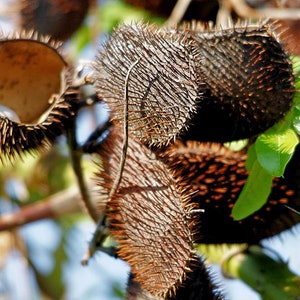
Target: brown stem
76,159
55,206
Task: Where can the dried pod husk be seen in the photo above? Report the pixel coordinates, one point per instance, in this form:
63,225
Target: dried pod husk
162,87
150,218
36,87
56,18
249,82
198,286
217,176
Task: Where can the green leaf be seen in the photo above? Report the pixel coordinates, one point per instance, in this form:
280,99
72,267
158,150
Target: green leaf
251,157
275,148
254,194
296,120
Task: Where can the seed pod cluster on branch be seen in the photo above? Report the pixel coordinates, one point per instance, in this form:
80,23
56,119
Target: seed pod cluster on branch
196,85
193,85
36,88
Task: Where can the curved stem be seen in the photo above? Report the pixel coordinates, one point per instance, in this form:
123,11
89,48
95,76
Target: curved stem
76,160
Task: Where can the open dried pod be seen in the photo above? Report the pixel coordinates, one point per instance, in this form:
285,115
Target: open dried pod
35,93
217,176
249,82
162,88
215,85
150,218
56,18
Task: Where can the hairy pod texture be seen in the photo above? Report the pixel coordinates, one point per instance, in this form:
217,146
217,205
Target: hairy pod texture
214,85
249,83
198,286
36,87
217,176
162,88
56,18
150,218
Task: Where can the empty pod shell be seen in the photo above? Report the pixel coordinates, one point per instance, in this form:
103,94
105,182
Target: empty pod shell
36,87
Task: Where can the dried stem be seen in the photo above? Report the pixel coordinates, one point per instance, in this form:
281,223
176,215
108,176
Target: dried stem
55,206
76,159
178,12
101,231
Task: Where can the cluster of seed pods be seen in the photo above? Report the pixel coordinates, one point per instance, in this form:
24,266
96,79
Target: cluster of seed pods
175,95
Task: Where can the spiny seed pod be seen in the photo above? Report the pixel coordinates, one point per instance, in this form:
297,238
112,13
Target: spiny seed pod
149,217
35,86
162,87
198,286
215,86
217,176
249,83
56,18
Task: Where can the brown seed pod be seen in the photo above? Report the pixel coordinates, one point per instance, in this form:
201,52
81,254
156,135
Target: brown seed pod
162,90
56,18
249,83
35,85
149,217
198,286
199,85
217,176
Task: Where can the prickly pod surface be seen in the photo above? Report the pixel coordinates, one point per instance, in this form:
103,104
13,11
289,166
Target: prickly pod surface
207,85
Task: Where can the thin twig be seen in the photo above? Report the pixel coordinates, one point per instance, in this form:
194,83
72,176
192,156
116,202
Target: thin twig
125,132
101,231
76,159
55,206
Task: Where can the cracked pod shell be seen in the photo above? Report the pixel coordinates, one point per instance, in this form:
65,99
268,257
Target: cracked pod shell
36,87
217,176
